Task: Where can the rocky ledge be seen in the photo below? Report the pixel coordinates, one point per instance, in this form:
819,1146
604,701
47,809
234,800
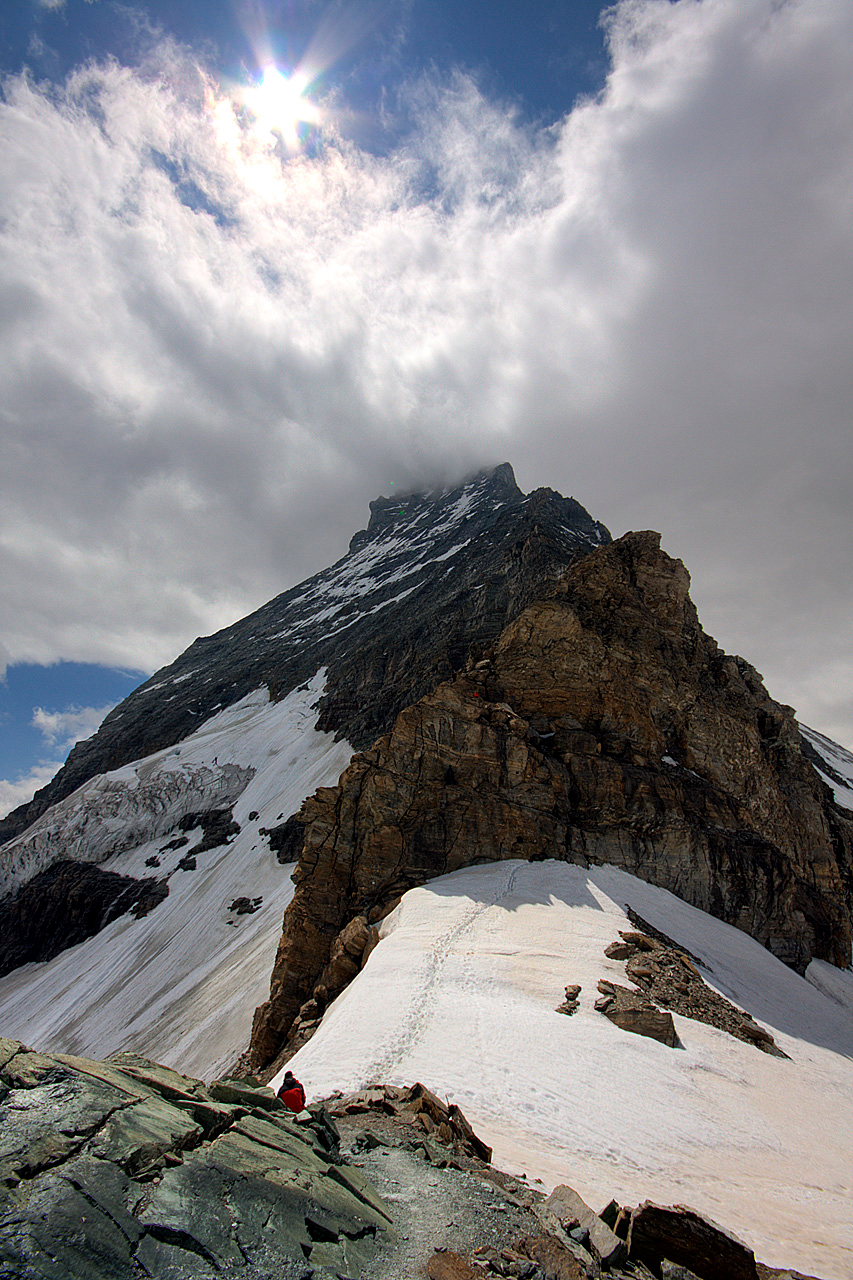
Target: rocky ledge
123,1169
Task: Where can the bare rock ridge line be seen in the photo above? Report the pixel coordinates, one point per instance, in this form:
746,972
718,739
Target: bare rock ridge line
431,575
603,725
124,1168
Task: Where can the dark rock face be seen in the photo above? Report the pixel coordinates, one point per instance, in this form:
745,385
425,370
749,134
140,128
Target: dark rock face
217,825
431,574
684,1237
66,904
120,1169
604,726
286,839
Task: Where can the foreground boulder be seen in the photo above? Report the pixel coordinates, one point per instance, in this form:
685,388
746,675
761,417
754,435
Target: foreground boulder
122,1169
684,1237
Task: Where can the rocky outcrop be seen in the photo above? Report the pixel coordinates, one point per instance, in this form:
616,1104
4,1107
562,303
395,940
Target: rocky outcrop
430,575
603,726
633,1011
668,977
123,1169
66,904
120,1169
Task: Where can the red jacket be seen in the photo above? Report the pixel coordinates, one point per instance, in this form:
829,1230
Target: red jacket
293,1097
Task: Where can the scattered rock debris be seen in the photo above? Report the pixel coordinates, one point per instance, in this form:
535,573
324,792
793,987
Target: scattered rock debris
246,906
667,977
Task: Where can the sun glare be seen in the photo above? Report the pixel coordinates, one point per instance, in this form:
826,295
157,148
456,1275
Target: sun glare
279,105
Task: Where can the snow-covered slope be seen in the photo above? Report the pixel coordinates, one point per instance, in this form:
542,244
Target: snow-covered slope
181,984
837,770
461,994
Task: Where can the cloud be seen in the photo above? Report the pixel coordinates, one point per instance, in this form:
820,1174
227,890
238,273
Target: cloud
214,357
13,793
63,728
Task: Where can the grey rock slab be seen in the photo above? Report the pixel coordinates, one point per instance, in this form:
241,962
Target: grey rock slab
8,1049
139,1136
171,1084
43,1125
106,1074
254,1097
189,1207
167,1260
26,1069
51,1229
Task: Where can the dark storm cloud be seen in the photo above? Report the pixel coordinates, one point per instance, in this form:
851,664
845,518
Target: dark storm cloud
649,306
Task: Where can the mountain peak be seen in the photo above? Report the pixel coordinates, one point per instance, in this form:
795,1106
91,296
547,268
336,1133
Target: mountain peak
493,488
438,571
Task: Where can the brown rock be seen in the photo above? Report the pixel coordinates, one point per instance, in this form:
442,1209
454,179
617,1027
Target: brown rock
620,669
571,1210
620,950
553,1257
633,1011
452,1266
683,1236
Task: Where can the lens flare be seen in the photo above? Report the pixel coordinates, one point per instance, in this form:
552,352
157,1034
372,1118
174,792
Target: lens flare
279,105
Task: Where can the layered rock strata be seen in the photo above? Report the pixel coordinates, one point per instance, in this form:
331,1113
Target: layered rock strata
604,726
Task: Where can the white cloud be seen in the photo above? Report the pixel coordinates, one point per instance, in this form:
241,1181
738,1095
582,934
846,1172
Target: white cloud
213,359
60,730
63,728
13,793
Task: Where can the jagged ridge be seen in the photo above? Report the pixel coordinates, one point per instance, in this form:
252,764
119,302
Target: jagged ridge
432,574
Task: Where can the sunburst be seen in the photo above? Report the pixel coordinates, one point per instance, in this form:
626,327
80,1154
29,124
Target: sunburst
279,105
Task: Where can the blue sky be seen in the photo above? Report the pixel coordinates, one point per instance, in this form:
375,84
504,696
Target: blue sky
619,256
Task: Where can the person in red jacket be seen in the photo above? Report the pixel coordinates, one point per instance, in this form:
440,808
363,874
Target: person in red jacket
291,1092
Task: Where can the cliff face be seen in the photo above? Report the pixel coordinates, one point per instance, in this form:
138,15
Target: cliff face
604,726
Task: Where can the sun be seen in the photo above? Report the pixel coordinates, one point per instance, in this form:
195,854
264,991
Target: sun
279,105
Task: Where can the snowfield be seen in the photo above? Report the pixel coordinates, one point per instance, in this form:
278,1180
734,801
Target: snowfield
839,761
461,994
181,984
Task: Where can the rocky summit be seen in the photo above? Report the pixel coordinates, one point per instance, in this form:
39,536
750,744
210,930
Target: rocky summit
604,725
